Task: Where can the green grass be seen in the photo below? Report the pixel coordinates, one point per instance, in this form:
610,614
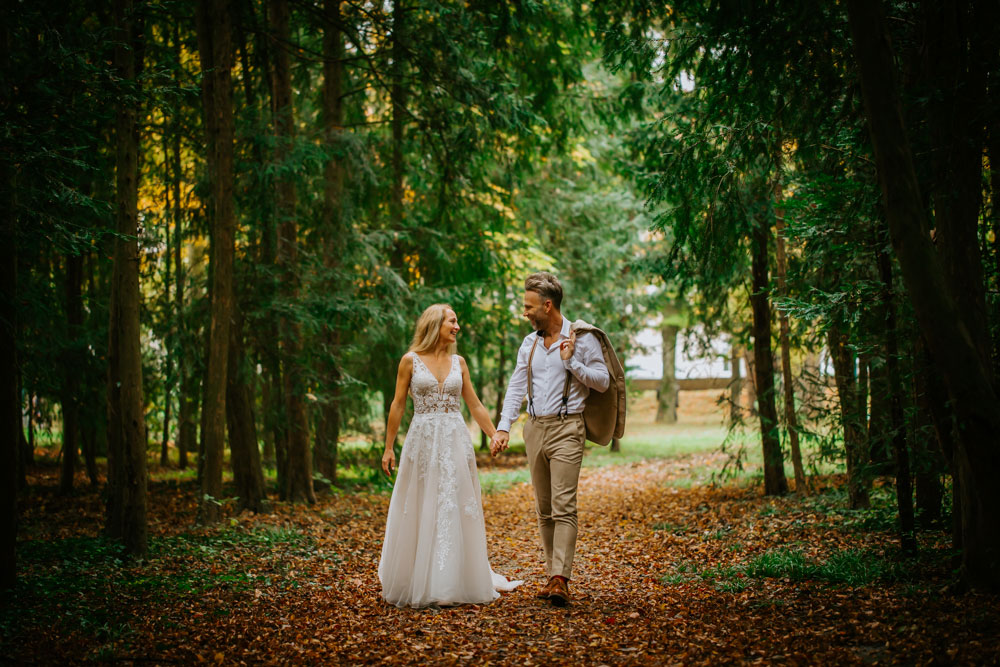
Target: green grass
643,442
851,567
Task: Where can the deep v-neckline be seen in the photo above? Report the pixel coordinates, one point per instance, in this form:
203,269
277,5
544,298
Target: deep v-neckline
440,383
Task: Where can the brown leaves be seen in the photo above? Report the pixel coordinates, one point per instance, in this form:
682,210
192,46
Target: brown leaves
660,578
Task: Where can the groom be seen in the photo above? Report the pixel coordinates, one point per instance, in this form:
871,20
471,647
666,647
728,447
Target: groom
548,359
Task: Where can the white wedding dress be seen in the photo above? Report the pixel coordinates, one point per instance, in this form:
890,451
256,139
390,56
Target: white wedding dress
435,538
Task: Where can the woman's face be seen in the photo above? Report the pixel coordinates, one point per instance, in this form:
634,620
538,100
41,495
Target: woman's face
449,328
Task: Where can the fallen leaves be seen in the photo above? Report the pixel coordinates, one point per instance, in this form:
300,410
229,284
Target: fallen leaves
661,577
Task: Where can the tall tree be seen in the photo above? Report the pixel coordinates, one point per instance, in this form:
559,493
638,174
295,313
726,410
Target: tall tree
298,483
951,341
126,422
775,482
333,210
73,283
214,44
10,403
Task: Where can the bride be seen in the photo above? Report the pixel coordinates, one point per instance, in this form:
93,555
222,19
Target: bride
434,551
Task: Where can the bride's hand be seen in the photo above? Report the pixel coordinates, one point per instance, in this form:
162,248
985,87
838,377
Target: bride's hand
389,462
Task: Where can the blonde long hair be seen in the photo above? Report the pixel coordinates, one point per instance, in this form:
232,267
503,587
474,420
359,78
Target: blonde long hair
428,329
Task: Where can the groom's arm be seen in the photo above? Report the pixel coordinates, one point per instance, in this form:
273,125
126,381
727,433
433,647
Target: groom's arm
517,388
587,363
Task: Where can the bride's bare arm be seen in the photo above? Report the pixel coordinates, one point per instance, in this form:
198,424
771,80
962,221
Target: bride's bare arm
403,376
476,407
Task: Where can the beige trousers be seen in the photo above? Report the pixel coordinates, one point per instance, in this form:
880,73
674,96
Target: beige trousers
555,451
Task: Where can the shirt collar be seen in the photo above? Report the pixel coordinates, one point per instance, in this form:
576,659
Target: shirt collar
564,331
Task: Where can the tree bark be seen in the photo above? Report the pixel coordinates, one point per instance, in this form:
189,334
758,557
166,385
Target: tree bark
245,452
952,342
667,396
214,44
788,385
333,192
775,482
186,433
855,449
735,413
900,447
299,487
72,367
11,434
126,425
168,380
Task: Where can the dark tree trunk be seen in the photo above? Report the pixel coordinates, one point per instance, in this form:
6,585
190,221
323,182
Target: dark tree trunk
667,396
788,385
880,422
775,482
952,341
168,380
854,437
957,141
126,426
214,44
735,385
900,447
72,368
186,433
298,483
932,401
333,192
11,434
245,452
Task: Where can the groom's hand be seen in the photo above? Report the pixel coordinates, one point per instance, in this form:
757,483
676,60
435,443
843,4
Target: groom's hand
567,347
500,441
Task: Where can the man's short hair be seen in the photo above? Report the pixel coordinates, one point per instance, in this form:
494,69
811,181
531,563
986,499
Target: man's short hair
547,286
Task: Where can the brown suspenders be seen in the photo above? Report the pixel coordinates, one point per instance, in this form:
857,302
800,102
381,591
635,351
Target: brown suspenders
564,409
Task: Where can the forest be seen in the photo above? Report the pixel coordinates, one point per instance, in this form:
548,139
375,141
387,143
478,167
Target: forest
220,220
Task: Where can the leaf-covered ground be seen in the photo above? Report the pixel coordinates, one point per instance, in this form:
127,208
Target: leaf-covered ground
665,574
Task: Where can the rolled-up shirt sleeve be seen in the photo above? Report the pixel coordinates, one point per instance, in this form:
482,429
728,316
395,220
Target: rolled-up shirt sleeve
587,364
517,388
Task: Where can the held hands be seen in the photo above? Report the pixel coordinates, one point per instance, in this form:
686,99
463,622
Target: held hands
567,347
389,462
499,442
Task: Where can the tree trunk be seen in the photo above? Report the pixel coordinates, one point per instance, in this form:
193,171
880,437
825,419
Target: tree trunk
957,137
775,482
854,438
245,452
333,192
735,385
932,400
299,487
168,380
10,401
952,342
214,37
186,433
667,396
126,425
900,447
786,360
72,367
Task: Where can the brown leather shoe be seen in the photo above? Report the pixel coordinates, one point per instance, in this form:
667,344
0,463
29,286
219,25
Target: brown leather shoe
546,590
559,592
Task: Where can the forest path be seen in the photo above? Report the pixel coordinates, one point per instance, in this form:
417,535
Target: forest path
666,572
637,524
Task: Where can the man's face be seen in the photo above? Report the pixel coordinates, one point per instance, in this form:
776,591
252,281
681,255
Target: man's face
537,310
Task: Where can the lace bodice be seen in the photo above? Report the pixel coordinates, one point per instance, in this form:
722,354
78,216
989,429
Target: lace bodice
431,397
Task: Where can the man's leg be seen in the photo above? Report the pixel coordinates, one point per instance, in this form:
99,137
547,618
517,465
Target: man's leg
538,467
565,448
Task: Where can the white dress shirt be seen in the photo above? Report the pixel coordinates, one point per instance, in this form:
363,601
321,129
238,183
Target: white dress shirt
548,376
